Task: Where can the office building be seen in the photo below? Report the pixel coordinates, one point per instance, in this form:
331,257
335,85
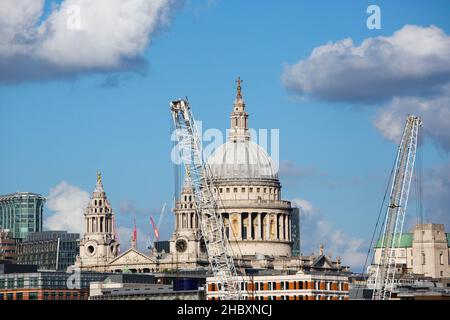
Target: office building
21,213
49,250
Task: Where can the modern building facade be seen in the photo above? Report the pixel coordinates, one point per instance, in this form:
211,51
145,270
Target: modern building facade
49,250
424,251
25,282
141,287
21,213
7,246
295,232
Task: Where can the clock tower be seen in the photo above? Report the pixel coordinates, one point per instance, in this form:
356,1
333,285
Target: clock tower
98,245
186,243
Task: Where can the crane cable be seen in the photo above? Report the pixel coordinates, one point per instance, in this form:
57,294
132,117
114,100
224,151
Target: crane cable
377,223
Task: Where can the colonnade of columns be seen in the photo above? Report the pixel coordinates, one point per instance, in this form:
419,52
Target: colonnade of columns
258,226
186,220
98,224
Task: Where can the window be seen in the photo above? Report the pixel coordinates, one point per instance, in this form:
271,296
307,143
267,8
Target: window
221,190
423,258
19,296
228,190
441,258
442,273
20,283
33,296
265,190
250,189
10,283
235,190
258,189
243,190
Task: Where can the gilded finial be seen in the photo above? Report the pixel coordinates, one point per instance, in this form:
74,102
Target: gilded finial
239,81
99,176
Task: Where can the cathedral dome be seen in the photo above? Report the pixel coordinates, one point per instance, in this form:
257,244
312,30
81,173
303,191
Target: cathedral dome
242,159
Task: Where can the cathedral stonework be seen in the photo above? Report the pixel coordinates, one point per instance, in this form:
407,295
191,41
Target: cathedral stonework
257,221
98,246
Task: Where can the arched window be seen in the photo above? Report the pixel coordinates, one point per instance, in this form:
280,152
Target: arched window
441,258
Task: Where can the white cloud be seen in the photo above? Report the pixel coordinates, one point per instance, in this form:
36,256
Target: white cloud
67,203
306,207
316,230
113,36
434,111
405,73
436,193
414,60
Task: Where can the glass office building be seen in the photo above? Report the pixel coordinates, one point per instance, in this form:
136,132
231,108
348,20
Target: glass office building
49,250
21,213
295,231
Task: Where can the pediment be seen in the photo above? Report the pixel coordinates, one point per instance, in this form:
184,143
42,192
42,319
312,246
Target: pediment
130,257
322,261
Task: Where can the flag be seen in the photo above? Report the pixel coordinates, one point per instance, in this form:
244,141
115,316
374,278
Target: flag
155,229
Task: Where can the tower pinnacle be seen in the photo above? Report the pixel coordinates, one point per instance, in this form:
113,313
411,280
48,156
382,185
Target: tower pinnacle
239,94
99,184
239,118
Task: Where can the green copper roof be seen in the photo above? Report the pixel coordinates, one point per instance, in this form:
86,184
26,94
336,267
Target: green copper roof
405,241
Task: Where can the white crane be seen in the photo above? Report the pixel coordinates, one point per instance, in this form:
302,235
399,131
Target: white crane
219,251
395,215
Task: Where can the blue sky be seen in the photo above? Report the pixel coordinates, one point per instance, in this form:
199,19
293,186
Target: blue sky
65,129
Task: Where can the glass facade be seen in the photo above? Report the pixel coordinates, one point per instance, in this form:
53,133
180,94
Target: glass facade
21,213
295,231
49,250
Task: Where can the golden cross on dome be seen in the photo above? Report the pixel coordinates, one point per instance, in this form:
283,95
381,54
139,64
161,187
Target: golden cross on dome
239,81
99,176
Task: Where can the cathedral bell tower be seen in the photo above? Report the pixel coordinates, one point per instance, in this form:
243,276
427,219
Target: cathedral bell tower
98,245
186,242
239,117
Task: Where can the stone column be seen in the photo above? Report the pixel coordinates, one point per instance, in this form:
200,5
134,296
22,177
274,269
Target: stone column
280,226
258,232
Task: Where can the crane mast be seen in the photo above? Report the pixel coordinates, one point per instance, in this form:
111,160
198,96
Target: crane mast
211,224
395,215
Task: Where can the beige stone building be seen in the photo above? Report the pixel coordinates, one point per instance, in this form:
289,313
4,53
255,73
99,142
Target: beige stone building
425,251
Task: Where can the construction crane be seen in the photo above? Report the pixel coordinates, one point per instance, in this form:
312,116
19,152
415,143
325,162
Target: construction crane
395,214
199,175
156,227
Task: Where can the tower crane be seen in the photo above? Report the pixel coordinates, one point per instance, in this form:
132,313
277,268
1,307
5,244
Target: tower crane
395,215
199,175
